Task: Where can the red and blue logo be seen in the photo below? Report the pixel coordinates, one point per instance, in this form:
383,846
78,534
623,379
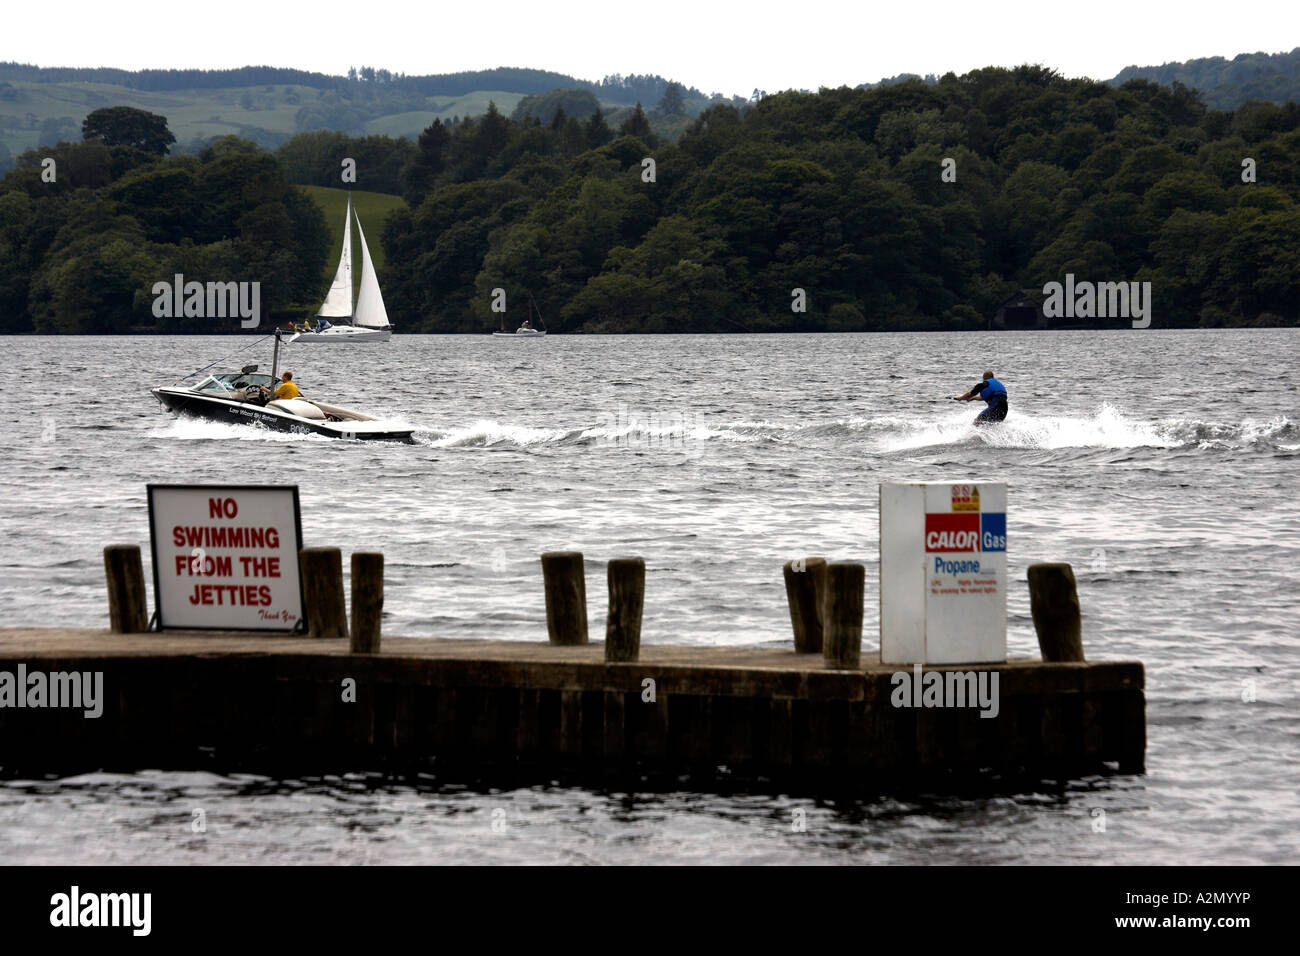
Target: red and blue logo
965,532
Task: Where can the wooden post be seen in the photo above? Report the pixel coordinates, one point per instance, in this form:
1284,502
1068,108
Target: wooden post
805,591
626,601
1054,603
128,611
842,613
566,597
322,579
367,600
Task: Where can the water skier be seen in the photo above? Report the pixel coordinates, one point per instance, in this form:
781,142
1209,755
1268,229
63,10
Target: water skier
994,393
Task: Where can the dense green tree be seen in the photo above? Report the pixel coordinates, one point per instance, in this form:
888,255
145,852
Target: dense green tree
492,136
598,131
843,193
918,204
637,125
127,126
316,159
672,103
580,104
82,252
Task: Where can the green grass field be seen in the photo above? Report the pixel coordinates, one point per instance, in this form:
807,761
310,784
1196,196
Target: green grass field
190,113
195,114
371,208
411,124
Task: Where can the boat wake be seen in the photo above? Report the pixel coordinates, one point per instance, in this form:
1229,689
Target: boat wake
488,434
887,434
668,431
1107,428
198,429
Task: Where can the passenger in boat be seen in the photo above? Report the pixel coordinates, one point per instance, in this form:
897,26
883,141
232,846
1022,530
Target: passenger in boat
528,324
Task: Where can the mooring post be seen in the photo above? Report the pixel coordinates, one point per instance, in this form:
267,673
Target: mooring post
128,611
566,597
805,591
842,613
626,602
1054,603
322,579
367,600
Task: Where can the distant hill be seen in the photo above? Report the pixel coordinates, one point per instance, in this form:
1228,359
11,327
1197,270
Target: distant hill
41,106
615,88
1223,84
42,113
1226,84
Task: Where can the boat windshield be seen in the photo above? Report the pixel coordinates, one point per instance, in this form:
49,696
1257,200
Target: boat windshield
224,382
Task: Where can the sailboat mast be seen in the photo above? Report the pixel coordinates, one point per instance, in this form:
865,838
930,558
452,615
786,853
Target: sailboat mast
339,302
352,297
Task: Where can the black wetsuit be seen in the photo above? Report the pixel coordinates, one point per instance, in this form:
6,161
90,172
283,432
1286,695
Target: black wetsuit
995,393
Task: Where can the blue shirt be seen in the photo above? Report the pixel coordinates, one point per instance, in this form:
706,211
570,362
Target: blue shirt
990,390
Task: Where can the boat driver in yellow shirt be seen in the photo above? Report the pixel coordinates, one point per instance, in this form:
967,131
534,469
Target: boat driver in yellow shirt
286,388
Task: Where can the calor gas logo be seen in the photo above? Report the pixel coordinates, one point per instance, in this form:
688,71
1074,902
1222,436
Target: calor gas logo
965,532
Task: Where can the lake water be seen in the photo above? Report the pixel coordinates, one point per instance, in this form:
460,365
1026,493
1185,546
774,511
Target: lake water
1162,465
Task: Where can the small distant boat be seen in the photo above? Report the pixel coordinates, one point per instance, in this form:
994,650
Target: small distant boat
367,321
525,331
244,397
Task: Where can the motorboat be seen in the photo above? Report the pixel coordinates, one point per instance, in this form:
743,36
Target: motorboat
244,397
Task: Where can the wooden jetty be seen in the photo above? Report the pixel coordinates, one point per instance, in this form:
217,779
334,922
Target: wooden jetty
350,701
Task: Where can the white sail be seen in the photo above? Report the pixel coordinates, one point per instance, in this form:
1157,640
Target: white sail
338,303
370,313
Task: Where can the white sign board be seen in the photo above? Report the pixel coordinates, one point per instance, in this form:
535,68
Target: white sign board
226,556
943,573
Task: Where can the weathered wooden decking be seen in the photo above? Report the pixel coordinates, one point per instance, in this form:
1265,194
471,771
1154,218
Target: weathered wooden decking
266,702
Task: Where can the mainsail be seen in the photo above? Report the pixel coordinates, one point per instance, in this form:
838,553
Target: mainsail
338,303
370,301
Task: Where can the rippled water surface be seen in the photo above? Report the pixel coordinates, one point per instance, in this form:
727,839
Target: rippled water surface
1163,465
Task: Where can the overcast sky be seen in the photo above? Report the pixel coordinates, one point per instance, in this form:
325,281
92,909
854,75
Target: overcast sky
727,48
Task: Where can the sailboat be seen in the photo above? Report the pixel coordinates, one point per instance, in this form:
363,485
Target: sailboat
368,320
527,330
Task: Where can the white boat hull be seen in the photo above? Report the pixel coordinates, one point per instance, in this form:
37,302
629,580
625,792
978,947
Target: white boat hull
520,334
345,333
